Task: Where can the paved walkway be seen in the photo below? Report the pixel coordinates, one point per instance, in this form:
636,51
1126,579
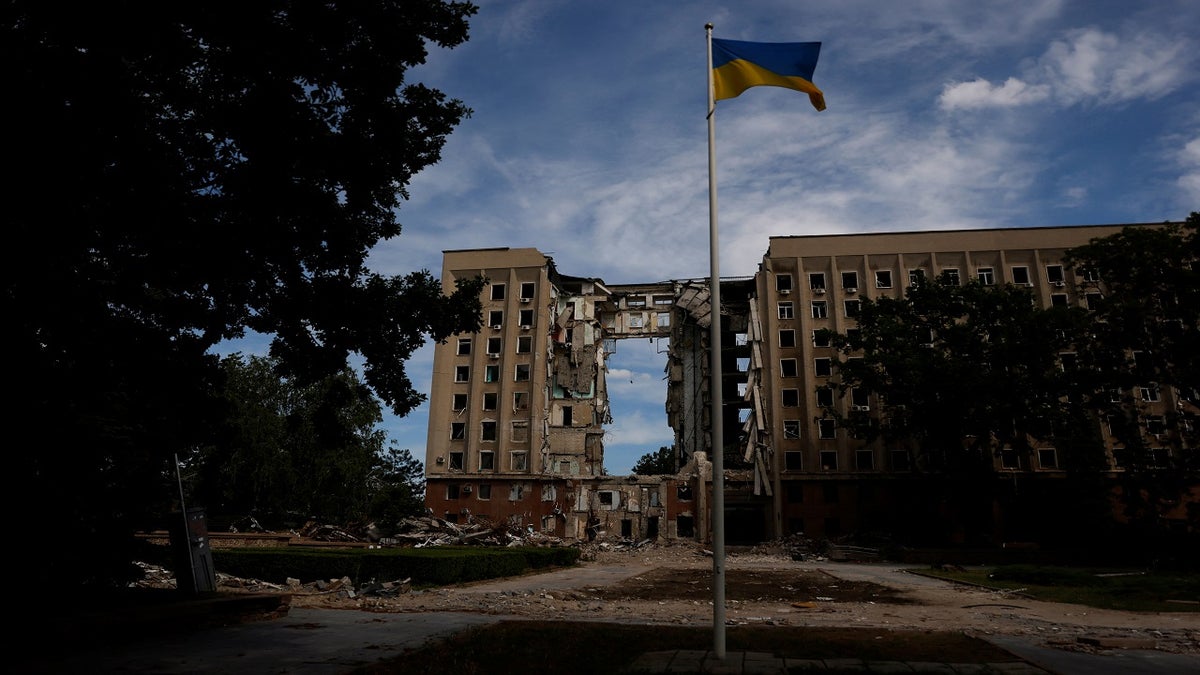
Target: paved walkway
760,663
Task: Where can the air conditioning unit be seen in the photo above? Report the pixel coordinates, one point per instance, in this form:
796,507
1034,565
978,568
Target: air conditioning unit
1060,284
493,356
497,327
818,291
526,300
785,291
466,489
526,327
862,408
852,290
441,460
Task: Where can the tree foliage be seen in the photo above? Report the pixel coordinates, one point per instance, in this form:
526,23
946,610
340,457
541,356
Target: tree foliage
188,172
657,463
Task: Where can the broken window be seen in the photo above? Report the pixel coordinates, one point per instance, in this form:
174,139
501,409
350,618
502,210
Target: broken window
522,372
791,398
566,416
788,368
487,460
1058,300
520,461
626,528
460,402
456,461
821,338
564,466
497,291
521,400
1156,425
636,320
916,277
785,310
987,276
1149,393
491,373
829,460
864,460
685,526
783,283
883,279
823,367
853,308
825,397
635,301
524,344
825,428
488,431
516,491
850,281
462,373
484,492
458,431
528,290
489,400
464,346
662,300
606,498
951,276
1020,276
1054,274
787,338
1090,274
820,309
793,460
549,492
791,429
663,320
816,280
520,431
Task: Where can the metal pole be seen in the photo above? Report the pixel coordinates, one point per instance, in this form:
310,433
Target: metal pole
714,378
187,533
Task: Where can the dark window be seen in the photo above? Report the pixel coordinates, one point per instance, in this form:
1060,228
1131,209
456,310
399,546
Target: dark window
497,291
823,367
488,431
783,283
883,279
787,338
850,280
793,461
791,398
787,368
816,280
1020,276
864,460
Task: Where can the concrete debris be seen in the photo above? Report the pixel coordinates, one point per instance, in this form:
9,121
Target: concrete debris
479,531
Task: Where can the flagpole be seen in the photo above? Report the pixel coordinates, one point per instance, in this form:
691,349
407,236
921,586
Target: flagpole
714,377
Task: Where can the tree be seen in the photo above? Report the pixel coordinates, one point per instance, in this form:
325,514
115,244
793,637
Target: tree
398,489
659,462
188,172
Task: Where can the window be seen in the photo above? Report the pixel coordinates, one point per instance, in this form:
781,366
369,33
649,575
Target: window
791,429
1048,458
564,466
783,283
791,398
795,495
787,338
823,367
900,461
494,345
860,397
1149,394
664,300
1091,301
496,317
850,281
1068,360
520,461
793,461
951,276
864,460
916,277
452,491
853,308
820,309
458,431
487,431
1010,459
524,344
521,400
484,492
883,278
487,460
684,493
520,431
525,317
528,290
852,335
787,368
456,460
663,320
987,276
825,397
1054,274
497,291
816,281
566,416
491,373
820,338
785,310
464,346
1058,300
829,463
1090,274
460,402
516,492
1020,276
825,429
522,372
489,400
1160,458
636,321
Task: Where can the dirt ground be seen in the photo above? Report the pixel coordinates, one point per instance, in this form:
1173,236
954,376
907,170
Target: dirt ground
672,584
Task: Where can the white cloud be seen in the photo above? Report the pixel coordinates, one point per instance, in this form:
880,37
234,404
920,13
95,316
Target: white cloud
980,93
1189,181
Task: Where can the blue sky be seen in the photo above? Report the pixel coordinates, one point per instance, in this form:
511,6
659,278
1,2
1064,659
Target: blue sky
589,140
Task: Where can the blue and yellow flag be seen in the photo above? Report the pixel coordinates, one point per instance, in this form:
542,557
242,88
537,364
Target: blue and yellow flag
739,65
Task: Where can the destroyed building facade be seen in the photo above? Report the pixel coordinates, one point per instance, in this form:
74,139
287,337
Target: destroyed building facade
517,410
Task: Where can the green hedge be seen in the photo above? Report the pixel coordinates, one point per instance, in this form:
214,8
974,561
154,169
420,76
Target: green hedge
437,566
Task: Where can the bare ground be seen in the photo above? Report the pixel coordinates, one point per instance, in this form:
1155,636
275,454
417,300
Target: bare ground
671,584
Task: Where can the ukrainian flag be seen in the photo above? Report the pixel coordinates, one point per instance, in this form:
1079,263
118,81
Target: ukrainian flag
739,65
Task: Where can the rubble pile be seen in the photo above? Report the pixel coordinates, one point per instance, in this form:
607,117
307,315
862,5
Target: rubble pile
795,546
432,531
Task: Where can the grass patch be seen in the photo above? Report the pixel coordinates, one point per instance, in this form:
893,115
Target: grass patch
1129,590
597,647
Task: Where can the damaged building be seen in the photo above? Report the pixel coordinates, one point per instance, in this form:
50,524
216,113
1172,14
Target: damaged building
517,410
